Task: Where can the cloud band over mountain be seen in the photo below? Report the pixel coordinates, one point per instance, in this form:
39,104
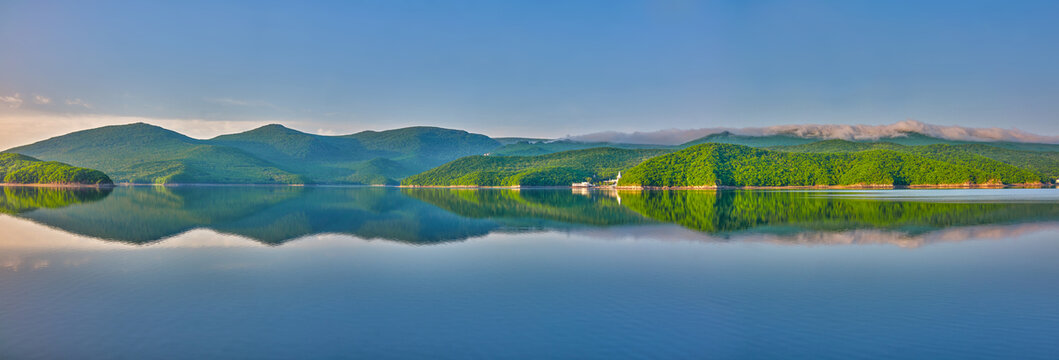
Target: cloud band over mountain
825,131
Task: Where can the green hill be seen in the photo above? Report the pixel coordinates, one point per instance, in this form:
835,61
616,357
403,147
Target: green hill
422,147
1044,163
21,169
142,153
369,157
273,154
557,169
736,165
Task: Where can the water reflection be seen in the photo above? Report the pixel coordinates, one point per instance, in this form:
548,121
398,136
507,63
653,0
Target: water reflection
17,200
275,215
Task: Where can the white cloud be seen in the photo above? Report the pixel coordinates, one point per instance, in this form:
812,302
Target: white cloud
41,100
828,131
78,102
14,101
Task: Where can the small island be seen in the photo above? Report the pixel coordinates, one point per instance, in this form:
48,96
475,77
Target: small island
22,170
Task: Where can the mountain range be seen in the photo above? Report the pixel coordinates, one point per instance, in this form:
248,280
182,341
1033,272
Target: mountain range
274,154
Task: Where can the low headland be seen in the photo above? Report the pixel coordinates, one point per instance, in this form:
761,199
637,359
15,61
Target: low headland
21,170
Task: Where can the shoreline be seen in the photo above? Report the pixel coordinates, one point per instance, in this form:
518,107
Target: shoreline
726,187
625,187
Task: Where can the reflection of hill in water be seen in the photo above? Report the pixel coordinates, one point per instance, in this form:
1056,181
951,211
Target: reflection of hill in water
535,208
15,200
268,214
274,215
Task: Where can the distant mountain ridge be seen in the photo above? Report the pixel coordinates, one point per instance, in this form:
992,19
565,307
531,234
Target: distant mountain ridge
272,154
908,138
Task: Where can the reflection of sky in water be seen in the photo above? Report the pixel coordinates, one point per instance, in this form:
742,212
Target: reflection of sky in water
1045,195
546,294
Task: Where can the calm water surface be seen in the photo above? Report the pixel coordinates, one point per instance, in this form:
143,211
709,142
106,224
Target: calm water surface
319,272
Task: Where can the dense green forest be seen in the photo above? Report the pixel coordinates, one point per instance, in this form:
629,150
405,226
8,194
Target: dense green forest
1044,163
557,169
21,169
273,154
735,165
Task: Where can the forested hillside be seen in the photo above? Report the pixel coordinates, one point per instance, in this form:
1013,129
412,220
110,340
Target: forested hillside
554,169
735,165
21,169
1044,163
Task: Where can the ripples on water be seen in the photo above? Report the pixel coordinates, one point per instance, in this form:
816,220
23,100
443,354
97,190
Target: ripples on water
278,272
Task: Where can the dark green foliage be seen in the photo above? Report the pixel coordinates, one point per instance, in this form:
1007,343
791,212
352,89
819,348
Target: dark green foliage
736,165
558,169
21,169
273,154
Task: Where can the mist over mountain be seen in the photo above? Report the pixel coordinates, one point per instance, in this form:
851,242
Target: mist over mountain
825,132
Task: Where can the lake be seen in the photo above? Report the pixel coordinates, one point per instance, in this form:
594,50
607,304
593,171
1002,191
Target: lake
380,273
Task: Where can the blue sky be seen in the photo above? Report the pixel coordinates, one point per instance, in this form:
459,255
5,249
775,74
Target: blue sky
535,68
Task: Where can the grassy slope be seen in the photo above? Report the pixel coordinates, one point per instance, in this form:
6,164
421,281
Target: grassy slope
543,170
735,165
22,169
